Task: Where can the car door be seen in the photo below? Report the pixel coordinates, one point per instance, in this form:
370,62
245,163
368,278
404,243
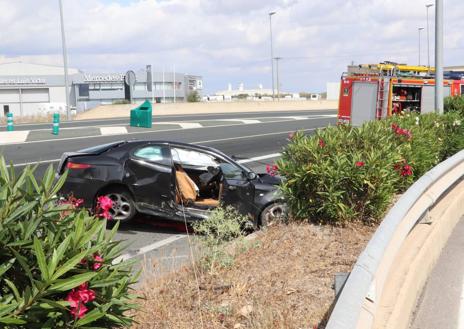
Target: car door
150,176
238,190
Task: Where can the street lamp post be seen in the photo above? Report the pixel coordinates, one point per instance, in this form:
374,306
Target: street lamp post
439,56
428,36
272,53
420,29
65,62
277,59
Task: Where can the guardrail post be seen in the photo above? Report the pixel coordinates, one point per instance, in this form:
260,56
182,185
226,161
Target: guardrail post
9,121
56,124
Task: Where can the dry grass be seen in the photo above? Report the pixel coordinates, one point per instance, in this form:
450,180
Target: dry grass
32,119
285,281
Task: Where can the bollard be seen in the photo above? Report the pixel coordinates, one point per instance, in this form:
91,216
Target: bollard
9,121
56,124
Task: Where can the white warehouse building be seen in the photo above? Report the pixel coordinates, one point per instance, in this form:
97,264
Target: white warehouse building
34,89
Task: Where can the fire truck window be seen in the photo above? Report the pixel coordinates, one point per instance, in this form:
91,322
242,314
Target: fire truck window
345,91
462,89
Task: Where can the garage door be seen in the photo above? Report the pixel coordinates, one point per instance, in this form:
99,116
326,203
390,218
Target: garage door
36,95
9,96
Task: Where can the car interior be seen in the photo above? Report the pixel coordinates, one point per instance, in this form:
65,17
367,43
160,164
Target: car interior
199,179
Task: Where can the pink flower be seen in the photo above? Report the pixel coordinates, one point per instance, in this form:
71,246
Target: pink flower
98,261
272,170
79,311
104,205
77,299
291,135
321,143
359,164
406,170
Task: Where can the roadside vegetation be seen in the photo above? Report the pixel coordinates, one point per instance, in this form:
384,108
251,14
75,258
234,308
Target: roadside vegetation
339,183
56,260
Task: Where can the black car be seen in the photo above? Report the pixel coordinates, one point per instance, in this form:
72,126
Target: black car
168,179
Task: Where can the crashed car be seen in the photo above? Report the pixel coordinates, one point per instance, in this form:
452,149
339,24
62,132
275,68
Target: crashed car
168,179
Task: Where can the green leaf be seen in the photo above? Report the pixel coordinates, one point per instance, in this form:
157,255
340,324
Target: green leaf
92,316
5,309
41,259
13,289
6,266
11,320
71,263
72,282
58,253
59,184
23,262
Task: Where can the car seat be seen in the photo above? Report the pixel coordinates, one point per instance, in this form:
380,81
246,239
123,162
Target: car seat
187,190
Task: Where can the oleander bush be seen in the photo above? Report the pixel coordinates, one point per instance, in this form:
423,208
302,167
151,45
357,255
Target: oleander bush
344,173
56,260
454,104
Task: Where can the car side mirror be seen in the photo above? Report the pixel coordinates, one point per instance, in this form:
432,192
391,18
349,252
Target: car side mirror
251,175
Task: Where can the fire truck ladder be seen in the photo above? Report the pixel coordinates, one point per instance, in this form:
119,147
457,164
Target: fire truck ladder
380,97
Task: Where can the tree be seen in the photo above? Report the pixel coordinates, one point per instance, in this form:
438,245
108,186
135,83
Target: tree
193,97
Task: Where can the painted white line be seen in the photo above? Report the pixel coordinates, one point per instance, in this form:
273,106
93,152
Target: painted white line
195,143
13,137
105,131
263,157
183,125
295,118
137,133
244,121
252,136
150,247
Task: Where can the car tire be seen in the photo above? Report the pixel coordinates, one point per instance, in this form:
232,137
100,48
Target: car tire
123,209
273,214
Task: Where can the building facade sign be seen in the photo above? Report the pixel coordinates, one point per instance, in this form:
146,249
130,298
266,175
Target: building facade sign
23,81
103,77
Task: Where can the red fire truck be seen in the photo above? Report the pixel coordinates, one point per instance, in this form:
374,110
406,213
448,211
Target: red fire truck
375,91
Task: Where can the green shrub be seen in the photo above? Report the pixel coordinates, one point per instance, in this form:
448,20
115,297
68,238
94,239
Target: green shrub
344,173
193,97
454,104
222,226
56,261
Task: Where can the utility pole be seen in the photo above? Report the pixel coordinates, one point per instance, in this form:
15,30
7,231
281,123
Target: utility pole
277,59
428,36
272,53
174,81
420,29
439,56
65,62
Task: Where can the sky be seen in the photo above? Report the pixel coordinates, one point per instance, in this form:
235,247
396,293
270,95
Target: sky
228,41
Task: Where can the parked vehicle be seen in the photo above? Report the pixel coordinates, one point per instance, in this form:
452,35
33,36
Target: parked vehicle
172,180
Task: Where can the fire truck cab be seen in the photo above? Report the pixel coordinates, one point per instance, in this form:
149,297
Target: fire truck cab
375,91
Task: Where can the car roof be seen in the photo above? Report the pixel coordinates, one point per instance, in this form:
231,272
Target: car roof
174,143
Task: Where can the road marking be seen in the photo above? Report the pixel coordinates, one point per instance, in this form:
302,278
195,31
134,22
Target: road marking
144,132
150,247
263,157
183,125
194,143
13,137
252,136
244,121
295,118
105,131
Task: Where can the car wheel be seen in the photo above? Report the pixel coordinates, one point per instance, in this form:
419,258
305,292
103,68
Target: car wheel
123,208
273,214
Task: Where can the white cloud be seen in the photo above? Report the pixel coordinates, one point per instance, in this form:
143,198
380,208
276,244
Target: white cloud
226,41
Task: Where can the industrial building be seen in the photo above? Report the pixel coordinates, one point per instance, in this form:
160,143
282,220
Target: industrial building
35,89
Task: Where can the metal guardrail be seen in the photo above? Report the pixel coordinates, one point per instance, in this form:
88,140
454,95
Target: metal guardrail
359,285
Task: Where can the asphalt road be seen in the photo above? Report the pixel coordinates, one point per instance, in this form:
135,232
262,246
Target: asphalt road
161,244
442,301
164,118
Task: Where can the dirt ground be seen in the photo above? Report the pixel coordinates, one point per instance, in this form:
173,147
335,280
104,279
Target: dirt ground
123,110
285,280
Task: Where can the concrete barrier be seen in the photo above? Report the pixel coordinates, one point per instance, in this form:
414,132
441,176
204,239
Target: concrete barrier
389,275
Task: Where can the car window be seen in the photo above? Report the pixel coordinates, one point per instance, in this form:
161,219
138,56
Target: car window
193,158
154,153
231,171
